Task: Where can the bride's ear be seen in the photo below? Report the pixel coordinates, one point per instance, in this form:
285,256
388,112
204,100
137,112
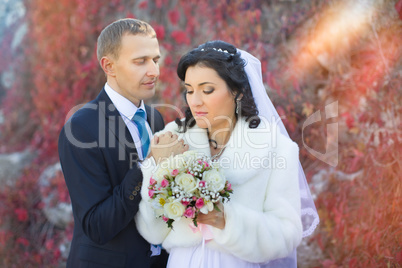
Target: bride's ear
238,96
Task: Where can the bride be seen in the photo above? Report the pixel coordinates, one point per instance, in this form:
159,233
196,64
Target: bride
231,118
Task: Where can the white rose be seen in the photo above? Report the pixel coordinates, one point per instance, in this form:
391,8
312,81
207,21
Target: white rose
178,162
172,163
216,165
190,155
209,206
186,181
174,210
160,174
166,163
215,180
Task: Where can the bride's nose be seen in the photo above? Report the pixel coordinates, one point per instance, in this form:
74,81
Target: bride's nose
195,100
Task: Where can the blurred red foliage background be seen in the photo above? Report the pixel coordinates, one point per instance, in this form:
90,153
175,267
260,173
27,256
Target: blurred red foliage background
309,60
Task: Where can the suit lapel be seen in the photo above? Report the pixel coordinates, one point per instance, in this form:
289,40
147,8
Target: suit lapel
114,124
151,119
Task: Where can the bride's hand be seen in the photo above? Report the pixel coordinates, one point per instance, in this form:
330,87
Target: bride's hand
214,218
165,145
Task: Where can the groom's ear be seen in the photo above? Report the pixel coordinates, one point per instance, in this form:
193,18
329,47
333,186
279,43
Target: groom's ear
107,65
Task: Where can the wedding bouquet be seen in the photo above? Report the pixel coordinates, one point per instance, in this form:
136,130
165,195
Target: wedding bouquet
185,185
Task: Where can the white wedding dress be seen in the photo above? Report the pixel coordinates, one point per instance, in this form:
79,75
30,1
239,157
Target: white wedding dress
203,257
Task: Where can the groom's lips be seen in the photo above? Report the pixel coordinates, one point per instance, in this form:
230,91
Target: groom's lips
150,84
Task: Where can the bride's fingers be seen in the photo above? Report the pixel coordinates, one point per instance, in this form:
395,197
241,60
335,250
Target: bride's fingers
168,139
168,134
155,140
185,148
216,219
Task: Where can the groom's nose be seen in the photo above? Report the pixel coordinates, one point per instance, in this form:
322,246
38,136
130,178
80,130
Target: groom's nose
152,69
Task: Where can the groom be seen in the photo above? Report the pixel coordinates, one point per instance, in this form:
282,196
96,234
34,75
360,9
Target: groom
99,147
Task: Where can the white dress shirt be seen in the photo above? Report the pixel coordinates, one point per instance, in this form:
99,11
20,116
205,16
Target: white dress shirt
127,110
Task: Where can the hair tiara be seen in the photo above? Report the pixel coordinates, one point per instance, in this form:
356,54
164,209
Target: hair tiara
218,50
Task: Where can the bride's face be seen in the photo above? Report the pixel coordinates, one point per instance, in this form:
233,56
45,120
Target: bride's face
210,100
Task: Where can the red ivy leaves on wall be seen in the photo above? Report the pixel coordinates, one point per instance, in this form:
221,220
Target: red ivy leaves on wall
181,37
22,214
160,31
398,7
60,70
361,218
174,16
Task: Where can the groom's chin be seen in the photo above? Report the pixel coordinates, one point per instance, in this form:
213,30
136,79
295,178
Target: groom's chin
148,93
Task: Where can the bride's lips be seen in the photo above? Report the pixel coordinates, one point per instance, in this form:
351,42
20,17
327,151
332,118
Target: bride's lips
199,114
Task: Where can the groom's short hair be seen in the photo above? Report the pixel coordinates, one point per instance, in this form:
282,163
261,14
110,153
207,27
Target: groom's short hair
109,40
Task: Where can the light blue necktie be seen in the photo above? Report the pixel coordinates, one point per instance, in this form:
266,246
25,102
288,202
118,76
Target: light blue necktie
139,120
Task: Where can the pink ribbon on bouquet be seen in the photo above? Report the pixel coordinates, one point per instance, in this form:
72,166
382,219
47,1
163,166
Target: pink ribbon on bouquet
206,235
204,229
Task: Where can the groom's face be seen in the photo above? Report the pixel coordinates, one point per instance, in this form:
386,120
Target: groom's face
136,70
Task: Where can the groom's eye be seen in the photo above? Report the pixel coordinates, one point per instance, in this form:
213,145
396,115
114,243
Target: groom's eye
139,61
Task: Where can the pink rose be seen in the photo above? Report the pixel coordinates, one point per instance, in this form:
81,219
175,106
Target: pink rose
206,164
229,186
152,181
199,203
202,184
175,172
151,193
194,198
165,219
185,203
164,183
190,212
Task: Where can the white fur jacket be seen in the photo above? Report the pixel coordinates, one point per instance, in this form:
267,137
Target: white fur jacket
263,215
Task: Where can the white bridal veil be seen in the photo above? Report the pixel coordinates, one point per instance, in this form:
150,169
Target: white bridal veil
267,111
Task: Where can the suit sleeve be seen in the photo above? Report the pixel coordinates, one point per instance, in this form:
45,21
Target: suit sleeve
100,207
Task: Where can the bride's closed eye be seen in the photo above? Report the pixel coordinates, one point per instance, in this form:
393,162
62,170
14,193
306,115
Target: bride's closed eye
205,91
209,90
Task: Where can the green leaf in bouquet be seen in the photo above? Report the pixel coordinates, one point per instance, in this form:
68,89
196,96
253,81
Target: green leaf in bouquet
217,208
195,221
169,223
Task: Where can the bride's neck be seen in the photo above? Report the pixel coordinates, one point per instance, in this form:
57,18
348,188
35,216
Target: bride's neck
219,137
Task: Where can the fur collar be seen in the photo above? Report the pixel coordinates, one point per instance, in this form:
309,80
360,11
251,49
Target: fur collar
247,152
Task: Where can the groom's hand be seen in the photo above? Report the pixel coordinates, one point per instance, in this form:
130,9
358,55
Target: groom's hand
165,145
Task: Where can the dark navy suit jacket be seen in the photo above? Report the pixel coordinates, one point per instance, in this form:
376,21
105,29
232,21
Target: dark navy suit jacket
99,162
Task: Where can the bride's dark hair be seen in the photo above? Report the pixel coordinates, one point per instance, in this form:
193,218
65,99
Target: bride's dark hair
226,61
